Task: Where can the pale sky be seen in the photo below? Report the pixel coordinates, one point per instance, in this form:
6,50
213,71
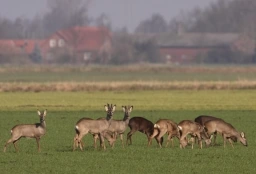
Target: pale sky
121,12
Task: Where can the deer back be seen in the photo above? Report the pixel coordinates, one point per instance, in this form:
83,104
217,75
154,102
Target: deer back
204,118
141,124
31,130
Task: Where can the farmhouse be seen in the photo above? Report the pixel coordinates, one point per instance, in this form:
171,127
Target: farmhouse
186,47
80,44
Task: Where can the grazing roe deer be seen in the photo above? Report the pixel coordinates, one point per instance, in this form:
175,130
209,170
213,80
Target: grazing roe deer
204,118
109,138
226,129
140,124
188,127
165,126
118,127
36,131
99,126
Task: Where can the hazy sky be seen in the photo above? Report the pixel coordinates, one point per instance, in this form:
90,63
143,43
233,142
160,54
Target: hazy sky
121,12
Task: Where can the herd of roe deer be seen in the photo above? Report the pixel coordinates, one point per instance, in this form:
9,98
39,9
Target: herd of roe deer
203,128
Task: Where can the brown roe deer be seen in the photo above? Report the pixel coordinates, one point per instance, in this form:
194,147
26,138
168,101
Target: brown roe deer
99,126
189,127
204,118
28,130
165,126
142,125
226,130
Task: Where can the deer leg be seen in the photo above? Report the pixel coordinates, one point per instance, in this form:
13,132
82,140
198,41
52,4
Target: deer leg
214,140
168,140
198,135
224,140
230,141
15,145
9,141
38,144
75,143
79,140
102,140
159,136
122,139
129,137
95,137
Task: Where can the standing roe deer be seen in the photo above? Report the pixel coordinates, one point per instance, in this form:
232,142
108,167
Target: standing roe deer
36,131
204,118
188,127
226,129
162,127
118,127
110,139
140,124
99,126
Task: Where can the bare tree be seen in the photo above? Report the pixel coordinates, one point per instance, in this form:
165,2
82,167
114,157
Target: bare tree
156,24
66,13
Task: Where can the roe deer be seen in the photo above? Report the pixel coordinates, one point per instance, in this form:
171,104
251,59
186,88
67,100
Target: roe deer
99,126
165,126
118,127
140,124
188,127
226,129
204,118
110,139
36,131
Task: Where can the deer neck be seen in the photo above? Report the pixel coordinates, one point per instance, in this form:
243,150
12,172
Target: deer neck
42,122
126,119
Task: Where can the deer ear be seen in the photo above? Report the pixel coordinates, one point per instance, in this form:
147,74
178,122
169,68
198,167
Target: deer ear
45,111
242,134
130,109
38,112
106,107
114,108
123,107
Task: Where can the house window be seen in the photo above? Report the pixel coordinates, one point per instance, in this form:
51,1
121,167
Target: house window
61,43
87,56
52,43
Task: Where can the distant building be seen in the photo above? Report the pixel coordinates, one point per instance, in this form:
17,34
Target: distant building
182,47
82,44
185,47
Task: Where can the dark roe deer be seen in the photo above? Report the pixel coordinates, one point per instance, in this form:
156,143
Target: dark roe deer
28,130
142,125
204,118
226,130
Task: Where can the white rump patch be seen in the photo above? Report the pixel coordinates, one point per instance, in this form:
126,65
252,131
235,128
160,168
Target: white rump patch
156,126
180,128
77,127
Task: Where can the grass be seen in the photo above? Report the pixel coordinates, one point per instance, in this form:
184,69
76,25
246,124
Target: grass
65,108
142,72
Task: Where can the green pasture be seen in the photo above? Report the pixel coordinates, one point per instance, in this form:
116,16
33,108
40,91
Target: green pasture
64,108
125,73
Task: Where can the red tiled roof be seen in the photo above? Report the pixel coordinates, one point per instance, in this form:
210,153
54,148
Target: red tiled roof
19,45
84,38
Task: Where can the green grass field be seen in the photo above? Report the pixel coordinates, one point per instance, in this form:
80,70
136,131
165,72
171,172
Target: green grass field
64,108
